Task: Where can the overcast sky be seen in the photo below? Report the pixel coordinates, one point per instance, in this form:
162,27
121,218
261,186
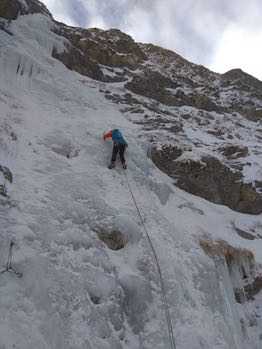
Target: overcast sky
220,34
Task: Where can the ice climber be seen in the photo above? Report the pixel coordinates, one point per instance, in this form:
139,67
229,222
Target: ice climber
120,146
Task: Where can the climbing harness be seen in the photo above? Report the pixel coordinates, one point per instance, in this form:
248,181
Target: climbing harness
9,268
163,291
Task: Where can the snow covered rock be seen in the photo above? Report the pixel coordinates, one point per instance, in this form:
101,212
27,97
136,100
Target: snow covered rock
114,239
6,173
6,177
87,49
208,178
11,9
232,151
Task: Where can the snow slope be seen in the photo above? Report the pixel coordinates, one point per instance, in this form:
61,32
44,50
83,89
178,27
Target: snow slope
75,291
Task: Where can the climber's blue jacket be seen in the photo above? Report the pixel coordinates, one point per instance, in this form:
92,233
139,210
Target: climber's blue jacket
116,136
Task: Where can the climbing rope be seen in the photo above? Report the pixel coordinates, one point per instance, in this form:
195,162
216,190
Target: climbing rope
163,291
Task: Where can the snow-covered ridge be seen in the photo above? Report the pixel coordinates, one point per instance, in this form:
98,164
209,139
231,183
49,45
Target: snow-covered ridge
76,292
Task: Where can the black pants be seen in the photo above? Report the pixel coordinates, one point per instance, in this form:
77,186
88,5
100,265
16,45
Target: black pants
121,149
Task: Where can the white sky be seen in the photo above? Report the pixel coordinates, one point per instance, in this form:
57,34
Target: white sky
221,35
239,48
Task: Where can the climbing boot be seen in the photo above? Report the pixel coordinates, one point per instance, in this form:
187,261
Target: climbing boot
112,165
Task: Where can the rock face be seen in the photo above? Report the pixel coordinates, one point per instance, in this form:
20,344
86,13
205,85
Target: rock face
209,179
239,78
156,86
114,240
10,9
6,175
88,49
234,151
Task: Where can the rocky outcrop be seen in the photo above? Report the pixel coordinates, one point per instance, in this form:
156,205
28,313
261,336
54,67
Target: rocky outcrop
6,173
241,79
114,239
248,89
88,49
3,190
201,101
74,60
232,151
209,179
153,85
10,9
253,114
113,48
249,201
163,56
